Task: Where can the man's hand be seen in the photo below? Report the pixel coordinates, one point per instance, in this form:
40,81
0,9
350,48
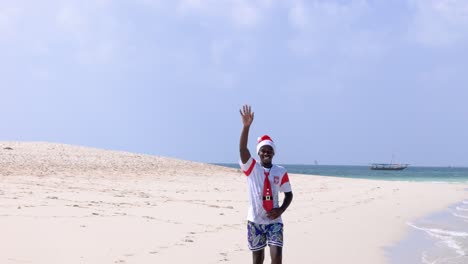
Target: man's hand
247,119
247,115
275,213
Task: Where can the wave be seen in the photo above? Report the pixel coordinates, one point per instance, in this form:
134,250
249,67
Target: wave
446,236
440,231
425,259
461,216
465,202
461,208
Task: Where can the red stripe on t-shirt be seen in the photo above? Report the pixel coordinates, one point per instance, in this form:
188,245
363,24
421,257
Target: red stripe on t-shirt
247,173
285,179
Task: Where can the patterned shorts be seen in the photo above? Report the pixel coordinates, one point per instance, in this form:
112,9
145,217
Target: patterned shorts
260,235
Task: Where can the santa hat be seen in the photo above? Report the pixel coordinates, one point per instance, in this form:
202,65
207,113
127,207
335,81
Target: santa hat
264,141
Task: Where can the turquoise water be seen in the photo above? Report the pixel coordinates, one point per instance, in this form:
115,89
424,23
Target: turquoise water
432,174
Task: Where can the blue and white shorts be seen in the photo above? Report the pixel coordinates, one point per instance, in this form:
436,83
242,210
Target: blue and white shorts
259,235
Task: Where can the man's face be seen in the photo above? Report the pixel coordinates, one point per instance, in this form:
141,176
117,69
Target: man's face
266,154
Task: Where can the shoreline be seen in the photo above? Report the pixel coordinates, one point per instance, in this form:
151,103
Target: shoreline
60,203
439,237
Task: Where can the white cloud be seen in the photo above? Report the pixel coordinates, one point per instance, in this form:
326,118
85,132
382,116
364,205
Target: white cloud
244,14
324,25
238,13
84,30
72,21
439,22
9,18
90,30
297,15
326,14
152,3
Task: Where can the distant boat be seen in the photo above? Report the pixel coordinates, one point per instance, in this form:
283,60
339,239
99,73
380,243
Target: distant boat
388,166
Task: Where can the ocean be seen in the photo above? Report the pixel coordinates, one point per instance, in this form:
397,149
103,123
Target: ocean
440,238
432,174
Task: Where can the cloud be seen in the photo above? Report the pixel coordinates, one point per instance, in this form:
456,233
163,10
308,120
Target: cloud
90,30
297,15
42,37
9,18
319,26
245,15
439,22
72,21
238,13
315,13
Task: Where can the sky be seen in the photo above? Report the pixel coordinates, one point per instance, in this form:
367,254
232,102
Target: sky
337,82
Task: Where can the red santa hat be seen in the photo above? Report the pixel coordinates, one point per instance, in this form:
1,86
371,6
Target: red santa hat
264,141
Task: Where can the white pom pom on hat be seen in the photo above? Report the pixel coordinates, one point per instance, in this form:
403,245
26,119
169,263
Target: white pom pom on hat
265,140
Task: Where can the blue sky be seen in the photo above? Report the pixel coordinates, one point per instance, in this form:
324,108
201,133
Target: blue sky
340,82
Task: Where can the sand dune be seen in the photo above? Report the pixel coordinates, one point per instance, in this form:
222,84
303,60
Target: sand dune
40,158
70,204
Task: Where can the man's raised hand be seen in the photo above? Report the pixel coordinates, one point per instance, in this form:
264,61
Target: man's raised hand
247,115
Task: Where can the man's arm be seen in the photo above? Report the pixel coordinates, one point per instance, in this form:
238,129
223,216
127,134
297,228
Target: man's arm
288,196
247,119
277,212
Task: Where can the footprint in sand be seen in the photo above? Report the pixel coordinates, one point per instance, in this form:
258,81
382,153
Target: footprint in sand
144,195
224,254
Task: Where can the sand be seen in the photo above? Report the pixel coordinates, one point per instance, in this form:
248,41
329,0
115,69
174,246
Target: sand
68,204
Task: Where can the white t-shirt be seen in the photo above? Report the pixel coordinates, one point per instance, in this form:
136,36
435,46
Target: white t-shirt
279,181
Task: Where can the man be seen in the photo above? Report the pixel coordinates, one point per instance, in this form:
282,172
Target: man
265,181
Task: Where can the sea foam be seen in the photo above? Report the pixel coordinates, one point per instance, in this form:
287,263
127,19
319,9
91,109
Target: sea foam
461,208
447,237
461,216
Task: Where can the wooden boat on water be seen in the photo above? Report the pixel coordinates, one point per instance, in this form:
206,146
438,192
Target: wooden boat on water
388,166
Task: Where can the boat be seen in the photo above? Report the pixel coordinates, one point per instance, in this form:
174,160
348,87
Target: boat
388,166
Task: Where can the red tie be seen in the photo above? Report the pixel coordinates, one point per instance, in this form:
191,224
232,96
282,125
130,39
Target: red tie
267,194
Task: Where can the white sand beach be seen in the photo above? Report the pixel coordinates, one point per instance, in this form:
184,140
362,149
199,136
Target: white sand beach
69,204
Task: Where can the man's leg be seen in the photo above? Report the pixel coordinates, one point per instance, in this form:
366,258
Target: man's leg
258,256
275,241
256,235
276,254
